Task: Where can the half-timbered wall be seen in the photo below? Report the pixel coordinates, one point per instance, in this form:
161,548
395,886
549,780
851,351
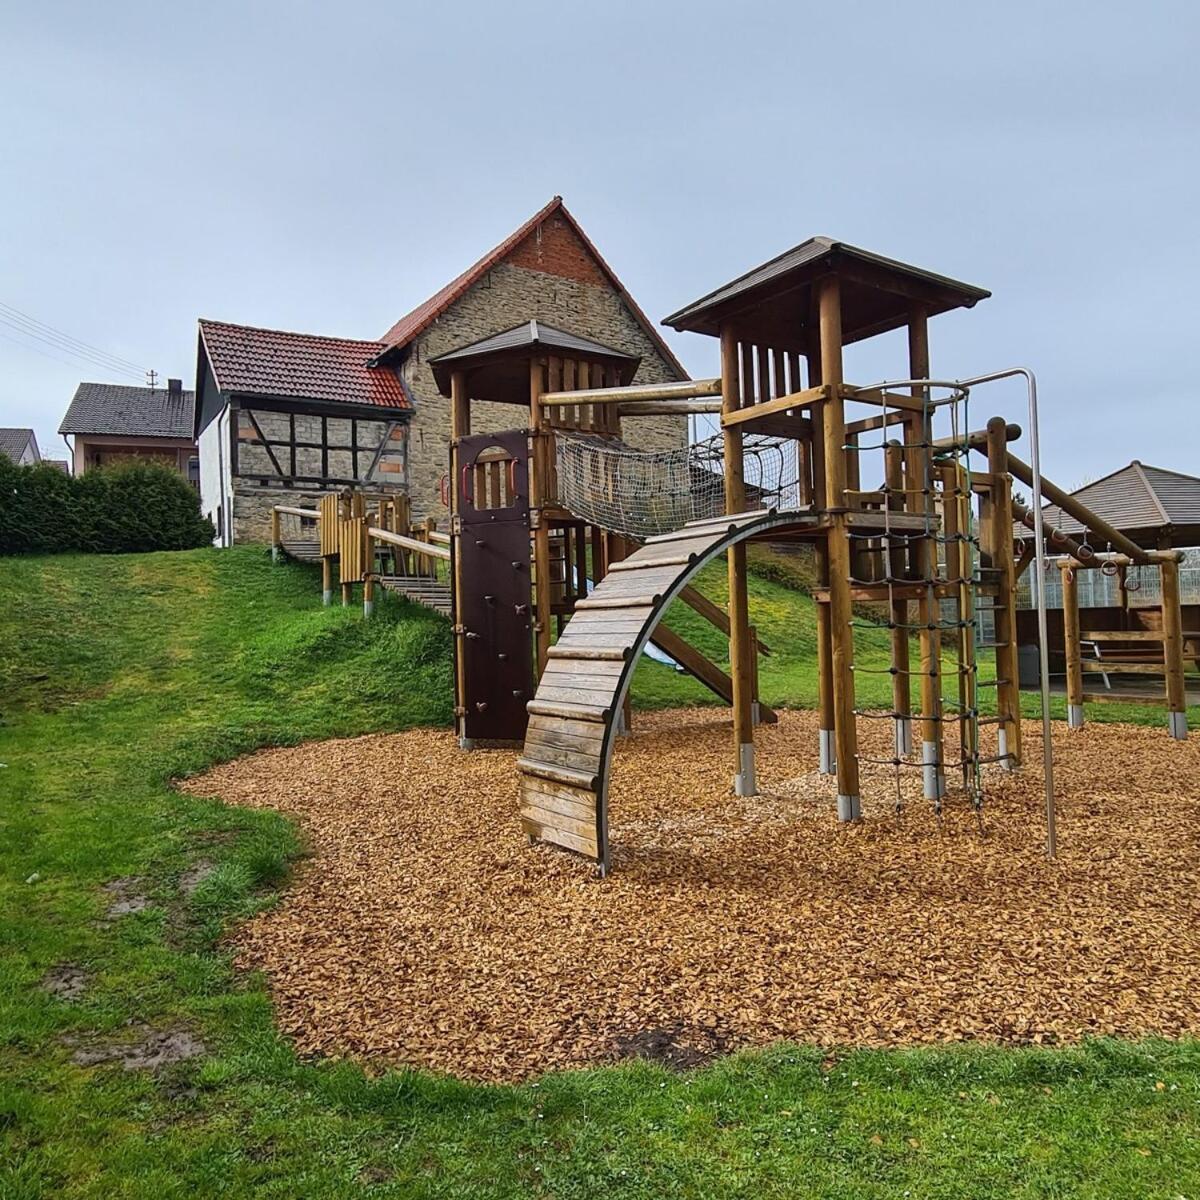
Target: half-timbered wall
295,457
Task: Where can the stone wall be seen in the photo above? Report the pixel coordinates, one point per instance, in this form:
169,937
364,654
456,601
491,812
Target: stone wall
506,296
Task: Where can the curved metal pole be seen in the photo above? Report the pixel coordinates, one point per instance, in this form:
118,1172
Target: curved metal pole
1039,567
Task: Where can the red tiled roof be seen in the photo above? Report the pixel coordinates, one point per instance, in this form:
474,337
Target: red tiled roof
413,324
272,362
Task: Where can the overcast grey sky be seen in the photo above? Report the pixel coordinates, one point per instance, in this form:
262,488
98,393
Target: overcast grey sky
325,167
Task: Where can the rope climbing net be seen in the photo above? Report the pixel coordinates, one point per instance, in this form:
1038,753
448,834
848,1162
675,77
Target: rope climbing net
642,493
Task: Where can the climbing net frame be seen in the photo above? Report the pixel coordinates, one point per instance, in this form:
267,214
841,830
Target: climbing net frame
940,556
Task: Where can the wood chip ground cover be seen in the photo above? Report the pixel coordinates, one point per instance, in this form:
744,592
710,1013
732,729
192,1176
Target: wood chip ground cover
425,930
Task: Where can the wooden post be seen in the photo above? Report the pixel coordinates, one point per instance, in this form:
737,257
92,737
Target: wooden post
460,427
275,538
369,577
827,747
1004,611
741,648
427,527
955,529
1172,631
920,476
893,456
1070,604
841,632
539,495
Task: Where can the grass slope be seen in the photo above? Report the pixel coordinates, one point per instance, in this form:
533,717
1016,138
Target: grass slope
118,674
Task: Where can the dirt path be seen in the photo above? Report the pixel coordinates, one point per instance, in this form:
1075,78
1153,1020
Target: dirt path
425,930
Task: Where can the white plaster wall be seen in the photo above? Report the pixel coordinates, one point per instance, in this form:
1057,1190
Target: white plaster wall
215,475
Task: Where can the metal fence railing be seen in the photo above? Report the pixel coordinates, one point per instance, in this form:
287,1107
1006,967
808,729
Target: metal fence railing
1097,590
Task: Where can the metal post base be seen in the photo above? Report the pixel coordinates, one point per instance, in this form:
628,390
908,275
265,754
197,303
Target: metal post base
828,753
934,782
368,607
849,808
904,742
1075,716
274,554
744,783
1006,760
466,743
1177,725
327,598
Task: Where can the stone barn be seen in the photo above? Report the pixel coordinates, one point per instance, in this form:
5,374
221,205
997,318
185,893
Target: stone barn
282,417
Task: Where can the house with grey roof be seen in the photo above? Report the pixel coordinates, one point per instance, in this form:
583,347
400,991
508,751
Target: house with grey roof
20,446
111,423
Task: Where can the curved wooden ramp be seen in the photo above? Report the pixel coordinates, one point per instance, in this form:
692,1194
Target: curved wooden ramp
573,717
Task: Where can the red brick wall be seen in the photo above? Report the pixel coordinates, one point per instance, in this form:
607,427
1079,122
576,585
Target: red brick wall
555,249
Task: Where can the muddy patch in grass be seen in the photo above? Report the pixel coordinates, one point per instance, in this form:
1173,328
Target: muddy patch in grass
668,1046
195,875
125,897
143,1049
65,981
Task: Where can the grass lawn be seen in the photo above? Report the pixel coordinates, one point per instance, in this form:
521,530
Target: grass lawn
118,674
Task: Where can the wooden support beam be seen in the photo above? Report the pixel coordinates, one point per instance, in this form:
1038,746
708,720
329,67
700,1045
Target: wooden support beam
713,613
829,307
706,671
540,494
881,397
1081,513
740,650
1172,627
1084,555
1004,611
919,475
668,408
766,408
1071,642
686,389
893,457
977,440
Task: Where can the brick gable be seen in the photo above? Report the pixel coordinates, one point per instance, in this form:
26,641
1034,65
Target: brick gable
556,249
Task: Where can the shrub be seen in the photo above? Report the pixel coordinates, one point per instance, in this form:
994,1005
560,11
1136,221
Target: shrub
114,510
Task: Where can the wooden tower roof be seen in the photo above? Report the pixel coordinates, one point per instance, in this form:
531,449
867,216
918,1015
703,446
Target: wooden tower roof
773,303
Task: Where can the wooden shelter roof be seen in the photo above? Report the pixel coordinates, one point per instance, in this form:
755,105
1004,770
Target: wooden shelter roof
1145,503
773,302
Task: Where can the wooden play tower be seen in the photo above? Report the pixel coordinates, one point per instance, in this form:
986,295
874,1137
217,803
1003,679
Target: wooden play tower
567,544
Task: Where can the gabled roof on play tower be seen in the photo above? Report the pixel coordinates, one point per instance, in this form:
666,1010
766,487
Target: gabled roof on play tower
775,300
499,354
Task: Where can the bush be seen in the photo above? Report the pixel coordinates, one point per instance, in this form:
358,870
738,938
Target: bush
115,510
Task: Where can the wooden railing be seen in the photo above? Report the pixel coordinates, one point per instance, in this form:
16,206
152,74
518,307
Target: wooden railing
364,540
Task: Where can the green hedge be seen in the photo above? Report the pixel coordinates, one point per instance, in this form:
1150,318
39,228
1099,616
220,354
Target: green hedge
113,510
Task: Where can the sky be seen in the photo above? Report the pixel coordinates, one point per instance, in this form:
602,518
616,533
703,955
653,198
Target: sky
324,168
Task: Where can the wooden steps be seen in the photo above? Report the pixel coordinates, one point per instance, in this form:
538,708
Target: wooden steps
432,593
302,551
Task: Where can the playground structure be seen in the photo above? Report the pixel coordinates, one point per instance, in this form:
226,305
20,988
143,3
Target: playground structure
557,526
